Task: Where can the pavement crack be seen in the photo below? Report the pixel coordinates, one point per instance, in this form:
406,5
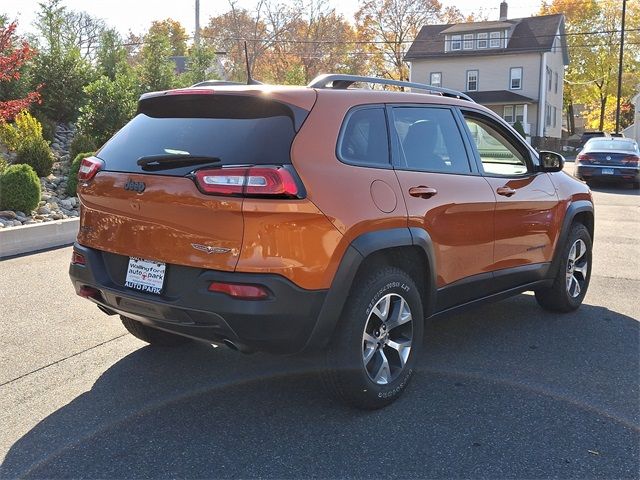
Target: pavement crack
62,359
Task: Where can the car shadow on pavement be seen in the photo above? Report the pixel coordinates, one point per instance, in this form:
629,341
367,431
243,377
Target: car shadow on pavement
505,391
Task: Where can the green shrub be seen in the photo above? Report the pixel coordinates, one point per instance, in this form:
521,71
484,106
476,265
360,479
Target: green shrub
519,128
110,104
72,181
19,188
36,152
82,142
3,164
25,128
48,126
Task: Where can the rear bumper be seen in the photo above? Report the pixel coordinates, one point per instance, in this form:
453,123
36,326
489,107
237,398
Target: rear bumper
281,323
597,172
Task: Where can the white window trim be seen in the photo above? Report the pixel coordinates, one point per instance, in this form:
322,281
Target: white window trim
477,80
482,37
431,79
494,39
515,114
467,41
555,82
457,39
512,78
505,115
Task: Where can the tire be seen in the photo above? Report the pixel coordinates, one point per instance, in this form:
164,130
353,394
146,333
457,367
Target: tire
355,372
151,335
574,272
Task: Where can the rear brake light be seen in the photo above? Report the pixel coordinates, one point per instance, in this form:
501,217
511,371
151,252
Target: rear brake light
249,292
190,91
631,160
88,168
584,159
78,259
278,182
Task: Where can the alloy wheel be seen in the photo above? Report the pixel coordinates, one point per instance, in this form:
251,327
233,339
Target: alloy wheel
577,268
387,339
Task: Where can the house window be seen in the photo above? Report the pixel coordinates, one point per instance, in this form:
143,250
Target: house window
515,78
547,115
472,80
482,40
456,42
555,82
520,113
548,79
513,113
494,41
554,116
435,79
468,41
508,113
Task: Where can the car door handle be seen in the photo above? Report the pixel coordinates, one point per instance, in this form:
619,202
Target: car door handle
505,191
422,191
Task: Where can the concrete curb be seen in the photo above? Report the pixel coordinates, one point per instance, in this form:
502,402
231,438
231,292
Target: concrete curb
31,238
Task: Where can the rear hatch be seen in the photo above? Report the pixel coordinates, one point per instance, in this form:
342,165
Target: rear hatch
146,200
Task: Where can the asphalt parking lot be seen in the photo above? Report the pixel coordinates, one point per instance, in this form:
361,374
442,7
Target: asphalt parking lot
505,391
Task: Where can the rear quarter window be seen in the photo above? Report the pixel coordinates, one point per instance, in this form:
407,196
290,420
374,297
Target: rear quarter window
364,139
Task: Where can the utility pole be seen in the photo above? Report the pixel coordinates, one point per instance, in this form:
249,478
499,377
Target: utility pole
196,37
624,12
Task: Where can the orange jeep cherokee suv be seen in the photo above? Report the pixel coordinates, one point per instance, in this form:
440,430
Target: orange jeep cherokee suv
284,219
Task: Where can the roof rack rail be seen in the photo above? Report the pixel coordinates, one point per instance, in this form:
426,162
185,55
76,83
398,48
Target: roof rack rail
339,81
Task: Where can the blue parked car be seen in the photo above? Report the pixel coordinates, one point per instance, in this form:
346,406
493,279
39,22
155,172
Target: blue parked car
609,159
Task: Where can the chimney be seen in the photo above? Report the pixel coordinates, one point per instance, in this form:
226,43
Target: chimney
503,10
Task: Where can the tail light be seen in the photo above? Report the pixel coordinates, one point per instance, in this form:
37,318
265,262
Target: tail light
584,159
631,160
89,167
247,292
78,258
268,182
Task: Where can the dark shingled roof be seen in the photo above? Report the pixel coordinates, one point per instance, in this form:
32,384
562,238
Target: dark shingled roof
533,34
499,96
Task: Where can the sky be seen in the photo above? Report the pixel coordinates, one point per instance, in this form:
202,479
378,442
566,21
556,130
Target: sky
137,15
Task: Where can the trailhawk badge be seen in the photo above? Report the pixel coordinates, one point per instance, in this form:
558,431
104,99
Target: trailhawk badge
208,249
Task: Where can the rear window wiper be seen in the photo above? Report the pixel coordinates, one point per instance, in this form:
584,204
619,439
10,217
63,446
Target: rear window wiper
166,161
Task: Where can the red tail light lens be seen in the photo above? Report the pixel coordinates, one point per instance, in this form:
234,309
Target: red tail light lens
278,182
584,159
88,168
631,160
78,259
247,292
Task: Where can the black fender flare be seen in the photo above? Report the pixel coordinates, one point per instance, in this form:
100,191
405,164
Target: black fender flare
574,209
356,253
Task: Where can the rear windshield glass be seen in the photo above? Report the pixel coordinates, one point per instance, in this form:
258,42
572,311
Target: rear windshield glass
237,130
608,145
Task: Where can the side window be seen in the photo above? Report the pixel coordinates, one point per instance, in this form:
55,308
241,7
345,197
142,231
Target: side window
364,138
498,154
429,140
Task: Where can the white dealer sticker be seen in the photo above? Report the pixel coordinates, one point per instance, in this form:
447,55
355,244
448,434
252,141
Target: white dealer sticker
145,275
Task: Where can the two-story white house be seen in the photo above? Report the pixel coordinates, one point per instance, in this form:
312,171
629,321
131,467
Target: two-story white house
515,67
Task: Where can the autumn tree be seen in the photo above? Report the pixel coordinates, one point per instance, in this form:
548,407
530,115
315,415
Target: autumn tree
174,31
593,40
393,24
13,55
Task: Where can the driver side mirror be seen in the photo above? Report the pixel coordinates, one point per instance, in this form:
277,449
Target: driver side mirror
551,161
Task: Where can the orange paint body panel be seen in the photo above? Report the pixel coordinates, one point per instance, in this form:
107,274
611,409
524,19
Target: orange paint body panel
161,223
291,238
459,219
